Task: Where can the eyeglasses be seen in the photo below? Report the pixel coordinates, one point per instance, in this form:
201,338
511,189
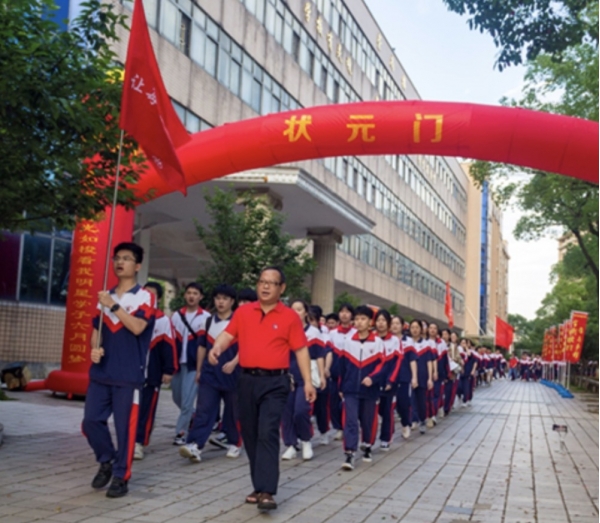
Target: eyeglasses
117,259
268,283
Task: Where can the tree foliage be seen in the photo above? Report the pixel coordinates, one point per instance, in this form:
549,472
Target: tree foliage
245,235
60,95
345,297
525,29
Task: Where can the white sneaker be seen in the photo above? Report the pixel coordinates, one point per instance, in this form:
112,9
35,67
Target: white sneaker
138,451
191,451
324,439
434,420
441,413
406,432
339,435
233,452
422,428
307,450
290,453
384,446
469,404
415,425
429,423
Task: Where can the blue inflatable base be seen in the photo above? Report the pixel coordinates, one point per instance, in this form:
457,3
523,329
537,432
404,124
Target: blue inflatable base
564,393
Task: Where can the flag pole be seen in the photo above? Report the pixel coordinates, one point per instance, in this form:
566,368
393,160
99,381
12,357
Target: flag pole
111,228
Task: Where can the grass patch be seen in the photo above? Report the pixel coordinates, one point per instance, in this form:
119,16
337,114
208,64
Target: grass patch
5,397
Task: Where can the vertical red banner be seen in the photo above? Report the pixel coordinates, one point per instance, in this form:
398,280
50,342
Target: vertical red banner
86,278
575,336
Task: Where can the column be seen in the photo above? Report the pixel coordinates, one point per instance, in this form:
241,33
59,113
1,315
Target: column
143,240
323,279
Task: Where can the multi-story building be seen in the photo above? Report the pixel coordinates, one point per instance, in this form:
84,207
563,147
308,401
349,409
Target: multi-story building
388,229
487,263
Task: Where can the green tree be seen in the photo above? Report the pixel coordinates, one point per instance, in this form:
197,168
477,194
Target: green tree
60,95
345,297
524,29
528,333
244,236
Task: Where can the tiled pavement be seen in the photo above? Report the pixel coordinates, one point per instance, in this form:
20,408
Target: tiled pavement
496,462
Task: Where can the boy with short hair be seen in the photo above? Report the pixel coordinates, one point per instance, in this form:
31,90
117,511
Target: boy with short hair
189,325
162,364
216,383
361,369
337,338
117,371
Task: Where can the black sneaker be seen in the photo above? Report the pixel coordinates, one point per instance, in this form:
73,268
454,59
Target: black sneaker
118,488
103,475
220,440
367,454
349,462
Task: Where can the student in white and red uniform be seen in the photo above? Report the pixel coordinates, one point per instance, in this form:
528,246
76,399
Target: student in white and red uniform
162,364
295,421
216,384
431,341
392,358
406,378
338,337
422,349
361,376
441,370
321,407
117,370
189,325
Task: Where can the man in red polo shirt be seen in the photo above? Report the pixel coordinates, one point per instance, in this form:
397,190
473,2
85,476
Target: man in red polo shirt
266,331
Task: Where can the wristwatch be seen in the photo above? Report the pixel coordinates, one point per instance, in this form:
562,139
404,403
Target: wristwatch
115,307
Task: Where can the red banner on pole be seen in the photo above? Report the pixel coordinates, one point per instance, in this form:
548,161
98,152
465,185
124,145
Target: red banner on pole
504,334
88,256
147,113
448,306
575,336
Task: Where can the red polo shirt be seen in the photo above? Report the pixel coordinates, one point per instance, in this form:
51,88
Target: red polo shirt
265,340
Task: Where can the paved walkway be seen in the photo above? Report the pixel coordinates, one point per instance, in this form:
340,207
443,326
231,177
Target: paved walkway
496,462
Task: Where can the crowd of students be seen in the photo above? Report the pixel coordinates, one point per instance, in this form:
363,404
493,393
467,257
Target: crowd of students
368,366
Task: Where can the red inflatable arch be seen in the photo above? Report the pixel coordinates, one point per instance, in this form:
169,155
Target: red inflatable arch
548,142
552,143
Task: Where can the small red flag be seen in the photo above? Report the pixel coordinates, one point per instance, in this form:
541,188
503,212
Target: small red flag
448,306
147,113
504,334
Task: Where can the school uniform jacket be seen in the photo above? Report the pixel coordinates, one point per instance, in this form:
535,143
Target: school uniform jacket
213,375
443,364
316,349
162,358
392,359
408,354
423,353
125,354
360,359
197,324
337,339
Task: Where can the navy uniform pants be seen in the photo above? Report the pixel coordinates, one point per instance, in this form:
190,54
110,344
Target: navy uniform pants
403,403
295,422
387,405
147,415
359,414
123,403
322,409
208,403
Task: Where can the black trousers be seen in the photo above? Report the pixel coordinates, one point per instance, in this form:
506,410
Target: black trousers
261,403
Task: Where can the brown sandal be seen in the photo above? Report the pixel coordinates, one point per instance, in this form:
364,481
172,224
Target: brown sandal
253,498
266,502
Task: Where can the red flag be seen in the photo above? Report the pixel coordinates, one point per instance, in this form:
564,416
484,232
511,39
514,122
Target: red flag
147,113
448,306
504,334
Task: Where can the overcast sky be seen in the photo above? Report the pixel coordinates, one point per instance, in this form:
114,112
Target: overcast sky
447,61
